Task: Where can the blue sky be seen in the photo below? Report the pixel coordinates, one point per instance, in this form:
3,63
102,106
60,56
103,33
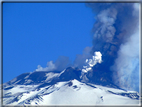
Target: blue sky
35,33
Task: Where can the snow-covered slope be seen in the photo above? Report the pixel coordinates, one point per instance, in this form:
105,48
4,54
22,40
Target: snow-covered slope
64,88
68,93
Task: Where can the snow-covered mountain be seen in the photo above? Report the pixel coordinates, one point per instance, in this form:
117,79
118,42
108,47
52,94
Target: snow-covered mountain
68,87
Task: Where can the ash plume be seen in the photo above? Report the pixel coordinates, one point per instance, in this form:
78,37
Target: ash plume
116,34
80,59
116,38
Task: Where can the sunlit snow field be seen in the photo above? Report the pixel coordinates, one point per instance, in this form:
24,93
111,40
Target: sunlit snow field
64,94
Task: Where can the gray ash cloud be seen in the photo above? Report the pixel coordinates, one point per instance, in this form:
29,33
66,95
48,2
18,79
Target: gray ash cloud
116,33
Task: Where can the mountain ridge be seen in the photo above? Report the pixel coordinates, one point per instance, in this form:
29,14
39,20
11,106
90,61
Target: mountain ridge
38,86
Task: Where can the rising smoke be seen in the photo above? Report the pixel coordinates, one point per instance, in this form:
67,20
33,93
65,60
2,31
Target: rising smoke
81,58
96,58
61,63
116,36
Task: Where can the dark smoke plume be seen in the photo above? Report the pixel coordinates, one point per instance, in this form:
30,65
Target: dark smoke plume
116,37
116,33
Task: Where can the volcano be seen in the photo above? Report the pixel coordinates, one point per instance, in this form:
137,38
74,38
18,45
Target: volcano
67,87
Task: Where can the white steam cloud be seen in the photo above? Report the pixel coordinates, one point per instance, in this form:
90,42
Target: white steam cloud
50,67
81,59
127,63
126,66
97,58
61,63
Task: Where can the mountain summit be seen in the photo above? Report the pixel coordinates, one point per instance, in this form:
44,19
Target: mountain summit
68,87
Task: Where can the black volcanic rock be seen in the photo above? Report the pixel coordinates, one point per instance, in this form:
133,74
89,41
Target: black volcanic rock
18,79
99,76
70,83
70,74
96,76
34,78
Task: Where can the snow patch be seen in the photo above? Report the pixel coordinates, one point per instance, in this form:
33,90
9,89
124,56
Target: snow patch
51,75
13,80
